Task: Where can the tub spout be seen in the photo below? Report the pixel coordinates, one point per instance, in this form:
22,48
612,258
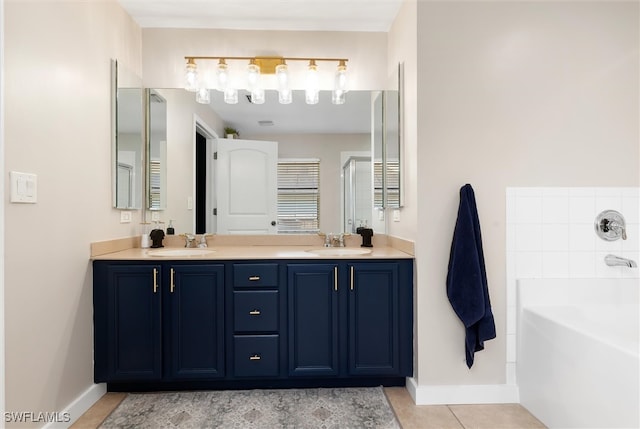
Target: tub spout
614,261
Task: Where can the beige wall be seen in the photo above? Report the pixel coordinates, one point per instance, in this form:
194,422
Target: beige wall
512,94
57,125
164,51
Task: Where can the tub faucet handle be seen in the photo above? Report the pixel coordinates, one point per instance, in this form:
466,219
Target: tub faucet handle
610,225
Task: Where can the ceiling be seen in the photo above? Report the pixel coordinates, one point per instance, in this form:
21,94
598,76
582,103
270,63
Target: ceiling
292,15
310,15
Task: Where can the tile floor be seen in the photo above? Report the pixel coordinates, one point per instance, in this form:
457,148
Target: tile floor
410,416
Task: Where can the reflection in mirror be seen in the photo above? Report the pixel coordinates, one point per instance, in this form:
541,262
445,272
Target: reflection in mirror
356,173
378,151
324,131
127,141
156,151
391,150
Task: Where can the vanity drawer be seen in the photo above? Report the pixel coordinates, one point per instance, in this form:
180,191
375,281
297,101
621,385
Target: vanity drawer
255,355
255,275
255,310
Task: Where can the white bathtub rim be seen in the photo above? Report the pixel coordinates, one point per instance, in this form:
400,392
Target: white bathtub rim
628,344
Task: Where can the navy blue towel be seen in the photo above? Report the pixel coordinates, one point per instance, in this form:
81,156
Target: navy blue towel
467,279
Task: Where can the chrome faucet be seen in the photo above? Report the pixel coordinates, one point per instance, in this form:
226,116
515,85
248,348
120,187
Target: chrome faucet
615,261
203,240
334,240
189,239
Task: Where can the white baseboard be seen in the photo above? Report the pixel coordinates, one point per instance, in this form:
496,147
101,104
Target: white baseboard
463,394
80,405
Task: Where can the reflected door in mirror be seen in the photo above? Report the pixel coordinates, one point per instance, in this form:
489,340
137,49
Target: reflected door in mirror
246,182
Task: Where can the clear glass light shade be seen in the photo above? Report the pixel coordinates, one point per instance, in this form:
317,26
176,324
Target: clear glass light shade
282,77
203,96
231,96
253,76
338,97
339,85
313,85
257,96
222,76
191,77
285,96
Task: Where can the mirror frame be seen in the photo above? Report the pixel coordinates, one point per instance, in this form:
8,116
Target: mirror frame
138,167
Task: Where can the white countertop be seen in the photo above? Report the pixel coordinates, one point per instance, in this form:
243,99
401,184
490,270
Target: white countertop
252,253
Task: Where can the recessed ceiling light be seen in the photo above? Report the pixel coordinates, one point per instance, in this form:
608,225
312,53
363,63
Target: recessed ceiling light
265,123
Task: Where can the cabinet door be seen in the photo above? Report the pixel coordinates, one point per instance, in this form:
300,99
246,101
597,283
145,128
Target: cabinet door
134,334
313,319
196,293
373,319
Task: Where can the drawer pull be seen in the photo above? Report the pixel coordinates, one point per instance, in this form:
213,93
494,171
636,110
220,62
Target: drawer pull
173,285
254,357
254,312
155,280
254,278
352,277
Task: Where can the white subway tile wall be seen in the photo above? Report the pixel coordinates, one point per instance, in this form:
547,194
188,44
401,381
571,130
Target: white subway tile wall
551,234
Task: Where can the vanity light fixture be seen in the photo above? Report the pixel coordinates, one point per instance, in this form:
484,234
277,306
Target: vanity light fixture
191,76
285,95
259,66
312,90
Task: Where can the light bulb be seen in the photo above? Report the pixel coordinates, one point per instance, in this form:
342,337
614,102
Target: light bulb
312,89
191,76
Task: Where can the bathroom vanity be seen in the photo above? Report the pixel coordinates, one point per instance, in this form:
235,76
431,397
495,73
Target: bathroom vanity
252,317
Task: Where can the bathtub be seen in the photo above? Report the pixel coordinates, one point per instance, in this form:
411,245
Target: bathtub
578,351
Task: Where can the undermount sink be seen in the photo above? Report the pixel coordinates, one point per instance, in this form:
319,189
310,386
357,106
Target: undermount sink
179,252
339,251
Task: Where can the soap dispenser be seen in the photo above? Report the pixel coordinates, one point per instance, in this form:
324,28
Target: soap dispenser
366,234
156,235
170,230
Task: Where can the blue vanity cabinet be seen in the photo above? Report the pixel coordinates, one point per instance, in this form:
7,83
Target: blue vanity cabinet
351,319
196,316
374,313
256,341
183,324
127,322
158,322
313,319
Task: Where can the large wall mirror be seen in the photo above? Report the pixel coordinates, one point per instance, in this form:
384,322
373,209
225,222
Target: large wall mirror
127,138
338,137
183,139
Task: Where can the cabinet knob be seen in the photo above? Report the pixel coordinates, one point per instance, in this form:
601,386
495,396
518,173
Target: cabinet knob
254,357
254,312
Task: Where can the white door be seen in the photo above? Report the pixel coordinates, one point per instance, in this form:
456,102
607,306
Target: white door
247,177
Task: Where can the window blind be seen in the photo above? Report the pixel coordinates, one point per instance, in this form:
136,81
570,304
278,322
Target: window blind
298,196
155,176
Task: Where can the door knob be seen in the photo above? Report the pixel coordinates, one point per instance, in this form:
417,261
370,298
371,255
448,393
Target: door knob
273,223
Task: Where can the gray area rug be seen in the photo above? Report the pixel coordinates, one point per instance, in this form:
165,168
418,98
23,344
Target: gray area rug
338,408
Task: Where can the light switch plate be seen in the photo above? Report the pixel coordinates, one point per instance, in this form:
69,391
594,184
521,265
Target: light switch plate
24,187
155,216
396,215
125,217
